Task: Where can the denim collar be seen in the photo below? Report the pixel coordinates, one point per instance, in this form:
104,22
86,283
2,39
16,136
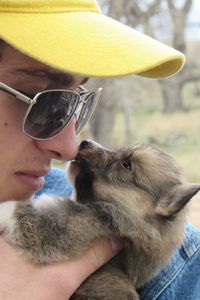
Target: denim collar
157,285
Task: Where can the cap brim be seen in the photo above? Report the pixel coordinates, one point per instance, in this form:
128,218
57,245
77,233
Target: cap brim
89,44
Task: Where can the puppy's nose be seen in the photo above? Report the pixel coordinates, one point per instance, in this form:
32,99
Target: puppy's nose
85,145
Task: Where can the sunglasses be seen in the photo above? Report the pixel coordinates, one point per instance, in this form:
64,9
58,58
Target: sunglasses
50,111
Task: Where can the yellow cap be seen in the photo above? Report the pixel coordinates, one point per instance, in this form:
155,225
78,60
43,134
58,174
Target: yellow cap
73,35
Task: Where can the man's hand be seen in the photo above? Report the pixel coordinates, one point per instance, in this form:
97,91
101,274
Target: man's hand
21,280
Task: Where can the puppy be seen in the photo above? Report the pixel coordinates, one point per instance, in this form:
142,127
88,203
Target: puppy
137,193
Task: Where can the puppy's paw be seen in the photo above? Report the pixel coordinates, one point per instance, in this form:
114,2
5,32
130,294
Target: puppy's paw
7,218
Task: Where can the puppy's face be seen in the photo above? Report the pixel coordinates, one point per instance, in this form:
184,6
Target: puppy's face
136,177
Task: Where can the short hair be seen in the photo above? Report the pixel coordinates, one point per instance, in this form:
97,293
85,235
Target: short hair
2,45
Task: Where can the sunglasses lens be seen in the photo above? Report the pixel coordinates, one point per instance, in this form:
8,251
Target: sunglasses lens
86,110
51,112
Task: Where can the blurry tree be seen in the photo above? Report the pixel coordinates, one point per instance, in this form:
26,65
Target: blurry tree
144,12
103,119
172,87
162,19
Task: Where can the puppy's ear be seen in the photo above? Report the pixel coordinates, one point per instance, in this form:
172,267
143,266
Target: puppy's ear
172,202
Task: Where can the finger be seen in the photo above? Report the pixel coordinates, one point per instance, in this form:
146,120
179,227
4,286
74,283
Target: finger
98,254
77,270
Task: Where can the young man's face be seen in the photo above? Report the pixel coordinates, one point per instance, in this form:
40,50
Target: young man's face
23,161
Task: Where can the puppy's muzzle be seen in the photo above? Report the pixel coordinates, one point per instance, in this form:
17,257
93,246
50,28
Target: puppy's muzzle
92,154
84,145
91,145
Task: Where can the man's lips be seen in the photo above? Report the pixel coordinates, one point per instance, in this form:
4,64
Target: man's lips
36,173
33,179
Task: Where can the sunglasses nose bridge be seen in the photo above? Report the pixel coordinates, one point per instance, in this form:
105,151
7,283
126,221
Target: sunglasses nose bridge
84,96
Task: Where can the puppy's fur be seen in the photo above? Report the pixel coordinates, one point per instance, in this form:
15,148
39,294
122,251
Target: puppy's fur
136,193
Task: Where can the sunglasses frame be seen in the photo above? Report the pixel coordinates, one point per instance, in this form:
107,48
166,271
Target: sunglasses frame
82,93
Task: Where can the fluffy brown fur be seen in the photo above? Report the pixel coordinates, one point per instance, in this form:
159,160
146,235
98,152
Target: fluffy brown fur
136,193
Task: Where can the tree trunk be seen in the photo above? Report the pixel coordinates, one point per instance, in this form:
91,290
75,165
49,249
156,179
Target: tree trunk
102,121
171,88
127,121
172,96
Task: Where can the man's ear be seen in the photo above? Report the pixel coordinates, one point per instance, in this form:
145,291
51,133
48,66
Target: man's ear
172,202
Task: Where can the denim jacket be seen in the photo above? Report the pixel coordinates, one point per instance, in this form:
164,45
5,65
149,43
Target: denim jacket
179,280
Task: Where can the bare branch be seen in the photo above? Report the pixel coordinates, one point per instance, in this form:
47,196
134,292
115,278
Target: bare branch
187,6
184,10
151,10
171,5
134,8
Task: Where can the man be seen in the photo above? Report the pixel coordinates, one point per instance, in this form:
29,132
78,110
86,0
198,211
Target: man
24,163
56,45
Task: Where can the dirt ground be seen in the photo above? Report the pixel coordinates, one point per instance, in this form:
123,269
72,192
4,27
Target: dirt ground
194,211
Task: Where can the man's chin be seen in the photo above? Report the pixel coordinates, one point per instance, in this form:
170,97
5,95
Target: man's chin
25,197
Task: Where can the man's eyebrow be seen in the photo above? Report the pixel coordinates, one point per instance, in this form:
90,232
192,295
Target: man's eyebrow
60,77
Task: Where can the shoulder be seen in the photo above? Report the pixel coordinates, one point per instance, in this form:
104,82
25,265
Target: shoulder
180,279
56,183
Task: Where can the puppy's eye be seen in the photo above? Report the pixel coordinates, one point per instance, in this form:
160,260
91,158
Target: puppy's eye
126,164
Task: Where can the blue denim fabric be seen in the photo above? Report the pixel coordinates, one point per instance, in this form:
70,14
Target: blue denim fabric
56,183
179,280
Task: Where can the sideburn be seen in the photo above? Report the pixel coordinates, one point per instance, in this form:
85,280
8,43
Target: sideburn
3,44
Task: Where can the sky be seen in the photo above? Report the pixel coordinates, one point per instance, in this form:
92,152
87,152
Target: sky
194,21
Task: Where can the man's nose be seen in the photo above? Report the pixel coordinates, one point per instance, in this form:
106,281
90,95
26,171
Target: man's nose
64,146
